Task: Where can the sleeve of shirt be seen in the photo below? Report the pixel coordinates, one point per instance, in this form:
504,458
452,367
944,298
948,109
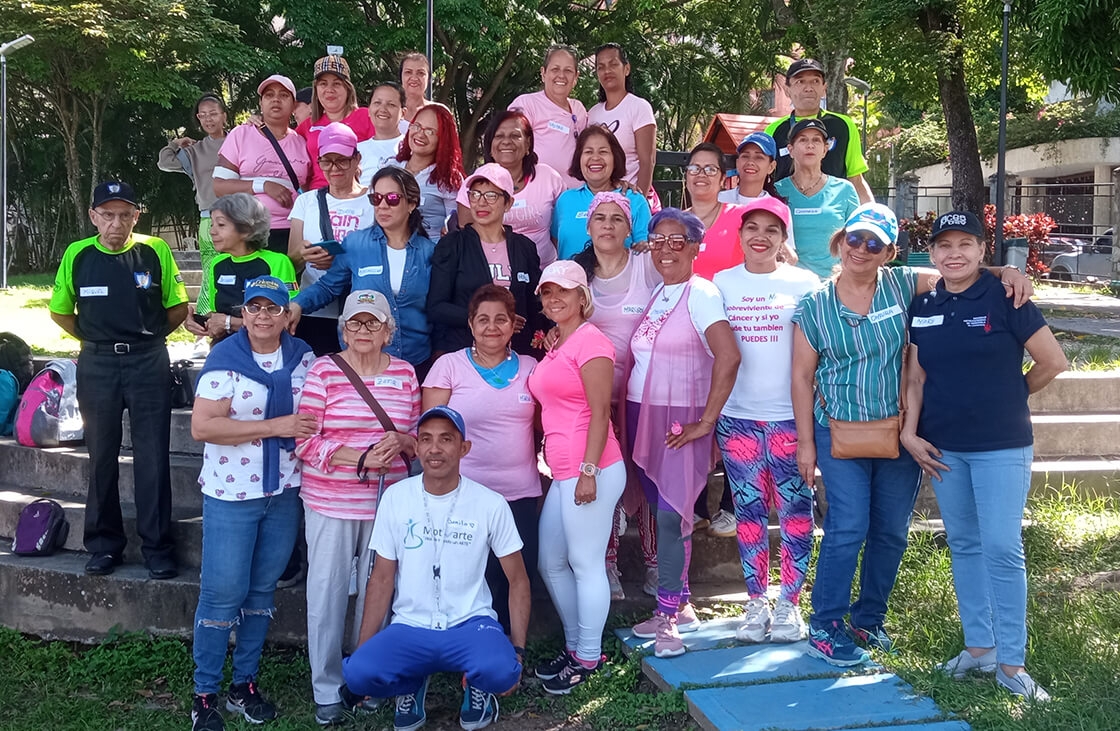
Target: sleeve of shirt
504,538
1024,321
591,345
705,306
643,114
639,212
440,375
316,450
174,291
285,271
208,296
327,287
383,541
417,402
805,317
849,198
62,297
215,386
443,311
907,280
300,206
854,162
231,147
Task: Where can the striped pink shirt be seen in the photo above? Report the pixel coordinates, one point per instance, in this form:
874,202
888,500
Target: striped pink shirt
345,420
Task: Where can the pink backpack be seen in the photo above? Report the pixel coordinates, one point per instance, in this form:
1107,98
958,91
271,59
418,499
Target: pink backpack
48,410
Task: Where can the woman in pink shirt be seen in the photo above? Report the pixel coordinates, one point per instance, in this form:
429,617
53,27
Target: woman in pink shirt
487,382
343,463
573,386
509,142
333,99
557,119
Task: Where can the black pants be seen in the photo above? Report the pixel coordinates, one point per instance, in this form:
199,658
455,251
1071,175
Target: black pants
278,240
321,333
726,501
525,513
107,385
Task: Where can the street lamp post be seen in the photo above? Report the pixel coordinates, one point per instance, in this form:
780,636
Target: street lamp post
1001,152
5,49
863,88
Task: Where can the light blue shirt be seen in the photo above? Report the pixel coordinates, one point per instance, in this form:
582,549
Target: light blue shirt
816,218
569,220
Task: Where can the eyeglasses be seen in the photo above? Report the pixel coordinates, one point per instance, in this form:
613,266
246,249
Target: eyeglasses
393,199
857,238
491,196
708,170
343,162
429,131
676,242
370,325
209,115
255,308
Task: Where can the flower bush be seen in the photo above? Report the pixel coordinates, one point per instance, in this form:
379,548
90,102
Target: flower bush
1035,228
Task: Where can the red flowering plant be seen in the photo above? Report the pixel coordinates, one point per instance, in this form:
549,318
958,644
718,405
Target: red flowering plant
920,228
1035,228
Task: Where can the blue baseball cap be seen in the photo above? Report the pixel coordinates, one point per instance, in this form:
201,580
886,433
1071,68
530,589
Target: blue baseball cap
445,412
764,141
876,219
271,288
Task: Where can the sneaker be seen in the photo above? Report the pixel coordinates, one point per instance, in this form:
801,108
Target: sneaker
354,702
549,669
647,630
205,715
756,621
699,523
959,666
614,579
246,699
572,676
292,576
873,638
330,714
687,621
787,624
834,645
479,709
1022,685
410,714
724,525
668,642
650,585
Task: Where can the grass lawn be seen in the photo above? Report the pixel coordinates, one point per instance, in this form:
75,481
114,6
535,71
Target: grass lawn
143,683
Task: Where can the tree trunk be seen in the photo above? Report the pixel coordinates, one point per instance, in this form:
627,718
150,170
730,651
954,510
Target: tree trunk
969,191
835,62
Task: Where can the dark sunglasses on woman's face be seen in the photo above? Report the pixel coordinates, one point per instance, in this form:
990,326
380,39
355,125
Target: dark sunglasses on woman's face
857,238
675,242
393,199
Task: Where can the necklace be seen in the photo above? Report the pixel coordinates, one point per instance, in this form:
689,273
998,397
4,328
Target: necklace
491,375
805,191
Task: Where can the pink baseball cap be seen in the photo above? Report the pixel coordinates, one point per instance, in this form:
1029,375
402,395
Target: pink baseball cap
771,205
565,273
338,138
494,174
610,197
280,79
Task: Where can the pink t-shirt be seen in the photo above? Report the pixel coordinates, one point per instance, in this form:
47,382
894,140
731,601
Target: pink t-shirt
554,131
497,258
720,248
253,155
531,213
619,304
565,415
631,114
357,120
499,424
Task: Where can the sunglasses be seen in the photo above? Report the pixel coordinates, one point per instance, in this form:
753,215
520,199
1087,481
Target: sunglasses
675,242
856,239
393,199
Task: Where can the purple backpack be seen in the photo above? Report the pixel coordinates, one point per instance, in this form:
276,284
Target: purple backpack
42,529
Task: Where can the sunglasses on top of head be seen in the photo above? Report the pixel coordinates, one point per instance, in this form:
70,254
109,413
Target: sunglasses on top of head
393,199
857,238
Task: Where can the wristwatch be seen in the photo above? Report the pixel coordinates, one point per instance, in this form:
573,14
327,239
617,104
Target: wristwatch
589,469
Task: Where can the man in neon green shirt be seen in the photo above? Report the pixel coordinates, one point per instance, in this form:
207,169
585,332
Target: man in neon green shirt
120,294
844,159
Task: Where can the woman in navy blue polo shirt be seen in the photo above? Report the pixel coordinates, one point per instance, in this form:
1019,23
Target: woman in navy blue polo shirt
975,440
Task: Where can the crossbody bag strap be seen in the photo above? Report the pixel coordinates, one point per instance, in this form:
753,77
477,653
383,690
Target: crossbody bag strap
375,406
283,158
324,216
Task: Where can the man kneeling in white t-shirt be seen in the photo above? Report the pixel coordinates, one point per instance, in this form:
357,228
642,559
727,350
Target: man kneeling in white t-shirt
432,536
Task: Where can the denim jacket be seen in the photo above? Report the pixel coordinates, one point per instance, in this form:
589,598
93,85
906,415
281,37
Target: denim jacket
365,266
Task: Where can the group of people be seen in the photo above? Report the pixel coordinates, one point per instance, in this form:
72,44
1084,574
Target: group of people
447,328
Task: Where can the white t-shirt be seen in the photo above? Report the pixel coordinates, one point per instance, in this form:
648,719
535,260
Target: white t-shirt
436,204
631,114
235,471
376,154
347,215
705,308
396,259
481,522
760,310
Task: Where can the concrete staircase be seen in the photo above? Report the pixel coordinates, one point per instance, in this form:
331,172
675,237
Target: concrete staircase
190,266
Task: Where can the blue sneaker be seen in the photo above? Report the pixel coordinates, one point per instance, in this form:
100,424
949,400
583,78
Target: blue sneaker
479,709
834,645
874,637
410,713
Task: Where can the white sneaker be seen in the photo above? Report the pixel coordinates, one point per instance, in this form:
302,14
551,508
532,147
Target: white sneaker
1022,685
756,622
959,666
787,626
724,525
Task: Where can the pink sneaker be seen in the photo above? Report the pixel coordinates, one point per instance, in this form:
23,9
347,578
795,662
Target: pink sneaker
687,621
647,630
668,641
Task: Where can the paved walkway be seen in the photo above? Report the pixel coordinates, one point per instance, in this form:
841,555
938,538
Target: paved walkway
1077,312
737,687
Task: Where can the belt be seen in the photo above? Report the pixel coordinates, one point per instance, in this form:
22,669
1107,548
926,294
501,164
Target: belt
123,348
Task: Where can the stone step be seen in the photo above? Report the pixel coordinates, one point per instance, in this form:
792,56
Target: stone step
181,440
192,292
187,258
191,277
65,470
1079,392
1076,435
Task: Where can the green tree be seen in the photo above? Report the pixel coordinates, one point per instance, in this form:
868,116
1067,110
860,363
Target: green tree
1078,41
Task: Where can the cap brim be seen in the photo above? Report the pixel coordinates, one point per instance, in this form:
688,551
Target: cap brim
115,198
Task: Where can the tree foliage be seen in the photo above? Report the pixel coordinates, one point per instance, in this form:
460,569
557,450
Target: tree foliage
1078,41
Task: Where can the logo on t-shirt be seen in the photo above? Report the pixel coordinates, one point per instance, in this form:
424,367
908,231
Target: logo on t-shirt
143,279
982,321
411,540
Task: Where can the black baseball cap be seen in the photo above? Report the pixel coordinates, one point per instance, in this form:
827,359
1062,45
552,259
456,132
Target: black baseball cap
801,65
808,123
113,190
963,221
304,95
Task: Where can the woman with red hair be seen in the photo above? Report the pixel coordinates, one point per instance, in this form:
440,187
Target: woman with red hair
430,151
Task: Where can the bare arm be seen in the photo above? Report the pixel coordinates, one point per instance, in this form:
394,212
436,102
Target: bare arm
801,392
435,397
211,422
69,323
1049,359
519,599
597,375
1017,284
379,597
724,369
176,315
228,186
863,190
645,139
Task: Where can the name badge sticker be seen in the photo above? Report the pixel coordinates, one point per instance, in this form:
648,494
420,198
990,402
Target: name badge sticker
633,309
581,214
93,292
227,279
524,398
387,381
931,321
519,204
370,271
523,277
557,127
881,315
806,211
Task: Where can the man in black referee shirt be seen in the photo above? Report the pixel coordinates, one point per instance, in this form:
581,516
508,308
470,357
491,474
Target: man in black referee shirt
128,295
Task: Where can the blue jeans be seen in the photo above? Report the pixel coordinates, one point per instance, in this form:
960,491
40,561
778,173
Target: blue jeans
982,497
245,548
870,502
396,660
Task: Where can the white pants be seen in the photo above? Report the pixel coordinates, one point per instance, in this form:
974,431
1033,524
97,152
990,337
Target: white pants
573,548
332,544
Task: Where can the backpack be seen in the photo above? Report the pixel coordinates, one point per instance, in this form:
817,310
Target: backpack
42,529
182,385
9,400
48,412
15,356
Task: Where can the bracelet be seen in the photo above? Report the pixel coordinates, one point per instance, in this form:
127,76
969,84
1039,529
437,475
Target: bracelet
227,323
258,186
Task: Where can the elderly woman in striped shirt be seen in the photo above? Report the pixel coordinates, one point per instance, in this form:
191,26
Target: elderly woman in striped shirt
848,340
342,463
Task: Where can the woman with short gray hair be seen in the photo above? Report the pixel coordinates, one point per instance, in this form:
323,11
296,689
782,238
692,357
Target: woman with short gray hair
239,227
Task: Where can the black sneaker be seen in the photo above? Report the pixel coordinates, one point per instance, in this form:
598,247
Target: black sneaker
246,699
549,669
103,564
205,715
571,676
